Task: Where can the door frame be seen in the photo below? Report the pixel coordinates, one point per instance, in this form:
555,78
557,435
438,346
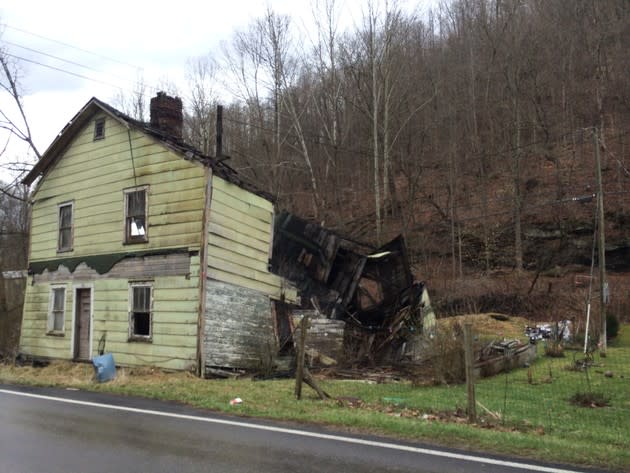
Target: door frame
73,347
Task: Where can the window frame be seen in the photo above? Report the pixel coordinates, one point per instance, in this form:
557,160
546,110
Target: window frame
128,239
134,337
50,323
70,247
99,125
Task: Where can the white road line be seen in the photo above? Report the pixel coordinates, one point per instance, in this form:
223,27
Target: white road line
303,433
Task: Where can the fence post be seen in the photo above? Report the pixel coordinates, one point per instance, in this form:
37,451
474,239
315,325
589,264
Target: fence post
299,372
470,375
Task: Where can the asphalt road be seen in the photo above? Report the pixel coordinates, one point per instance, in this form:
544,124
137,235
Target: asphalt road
52,430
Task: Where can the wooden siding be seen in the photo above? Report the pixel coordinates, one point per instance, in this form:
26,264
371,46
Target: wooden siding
174,328
93,175
239,241
238,327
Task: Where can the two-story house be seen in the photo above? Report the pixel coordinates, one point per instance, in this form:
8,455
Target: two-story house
144,247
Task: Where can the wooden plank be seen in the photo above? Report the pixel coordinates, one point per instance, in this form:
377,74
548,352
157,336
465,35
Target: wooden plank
239,226
216,240
237,216
238,237
168,363
159,340
230,267
228,255
241,206
164,318
242,194
149,350
61,343
224,276
46,352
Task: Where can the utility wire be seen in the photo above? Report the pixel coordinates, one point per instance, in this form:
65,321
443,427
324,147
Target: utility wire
67,61
21,30
64,71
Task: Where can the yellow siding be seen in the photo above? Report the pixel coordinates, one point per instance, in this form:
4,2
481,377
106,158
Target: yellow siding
93,175
239,240
175,317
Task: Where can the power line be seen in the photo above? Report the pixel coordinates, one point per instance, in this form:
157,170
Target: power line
58,58
63,71
52,40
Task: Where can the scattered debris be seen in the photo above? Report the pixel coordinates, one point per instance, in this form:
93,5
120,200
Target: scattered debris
350,401
372,291
505,355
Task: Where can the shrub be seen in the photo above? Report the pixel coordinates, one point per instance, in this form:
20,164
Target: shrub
612,326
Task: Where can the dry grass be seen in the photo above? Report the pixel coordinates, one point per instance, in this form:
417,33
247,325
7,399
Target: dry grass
486,326
80,375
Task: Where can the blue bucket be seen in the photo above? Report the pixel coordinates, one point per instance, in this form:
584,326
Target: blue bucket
105,367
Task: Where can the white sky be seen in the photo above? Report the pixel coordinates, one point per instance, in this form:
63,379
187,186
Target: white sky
115,41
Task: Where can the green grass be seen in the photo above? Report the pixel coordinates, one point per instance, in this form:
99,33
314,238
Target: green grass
535,420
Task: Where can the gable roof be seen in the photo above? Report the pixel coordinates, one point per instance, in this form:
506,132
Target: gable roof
186,151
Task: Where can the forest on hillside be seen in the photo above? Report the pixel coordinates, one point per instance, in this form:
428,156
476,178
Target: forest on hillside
472,130
467,130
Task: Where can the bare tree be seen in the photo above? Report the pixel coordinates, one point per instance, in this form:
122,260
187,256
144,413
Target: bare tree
202,101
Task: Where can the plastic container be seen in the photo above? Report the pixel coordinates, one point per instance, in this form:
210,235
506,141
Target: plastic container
105,367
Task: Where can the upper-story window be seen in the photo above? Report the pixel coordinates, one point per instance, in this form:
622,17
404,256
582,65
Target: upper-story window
64,240
136,215
99,129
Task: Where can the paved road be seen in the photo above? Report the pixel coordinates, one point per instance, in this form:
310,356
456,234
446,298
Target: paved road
50,430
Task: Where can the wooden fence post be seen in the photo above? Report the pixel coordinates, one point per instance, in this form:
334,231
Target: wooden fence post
299,372
470,375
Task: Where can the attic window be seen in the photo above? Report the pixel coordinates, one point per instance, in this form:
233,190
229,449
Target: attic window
136,215
99,129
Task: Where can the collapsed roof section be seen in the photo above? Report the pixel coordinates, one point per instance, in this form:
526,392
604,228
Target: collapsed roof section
367,289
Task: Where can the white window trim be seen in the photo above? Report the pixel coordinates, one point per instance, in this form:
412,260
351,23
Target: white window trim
133,337
146,215
70,204
50,323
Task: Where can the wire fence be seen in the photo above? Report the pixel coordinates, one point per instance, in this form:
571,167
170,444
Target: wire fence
562,391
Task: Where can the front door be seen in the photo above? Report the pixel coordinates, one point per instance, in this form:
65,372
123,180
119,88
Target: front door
82,321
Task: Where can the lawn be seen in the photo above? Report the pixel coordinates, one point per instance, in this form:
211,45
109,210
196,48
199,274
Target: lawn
526,412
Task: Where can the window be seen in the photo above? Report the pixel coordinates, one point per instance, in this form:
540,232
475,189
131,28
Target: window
57,310
99,129
64,242
140,316
136,216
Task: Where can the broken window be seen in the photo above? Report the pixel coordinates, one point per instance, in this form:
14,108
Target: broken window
136,216
140,315
57,309
64,240
99,129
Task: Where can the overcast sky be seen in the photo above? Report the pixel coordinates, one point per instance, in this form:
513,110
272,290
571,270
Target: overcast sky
101,49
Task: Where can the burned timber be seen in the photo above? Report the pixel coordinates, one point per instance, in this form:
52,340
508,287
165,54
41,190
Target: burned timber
365,305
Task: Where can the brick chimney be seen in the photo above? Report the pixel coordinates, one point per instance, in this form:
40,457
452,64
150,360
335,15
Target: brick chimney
167,115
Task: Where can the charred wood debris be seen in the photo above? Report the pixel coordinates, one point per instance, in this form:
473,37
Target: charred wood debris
365,308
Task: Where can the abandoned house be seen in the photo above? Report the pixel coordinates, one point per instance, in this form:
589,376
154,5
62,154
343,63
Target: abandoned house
143,247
